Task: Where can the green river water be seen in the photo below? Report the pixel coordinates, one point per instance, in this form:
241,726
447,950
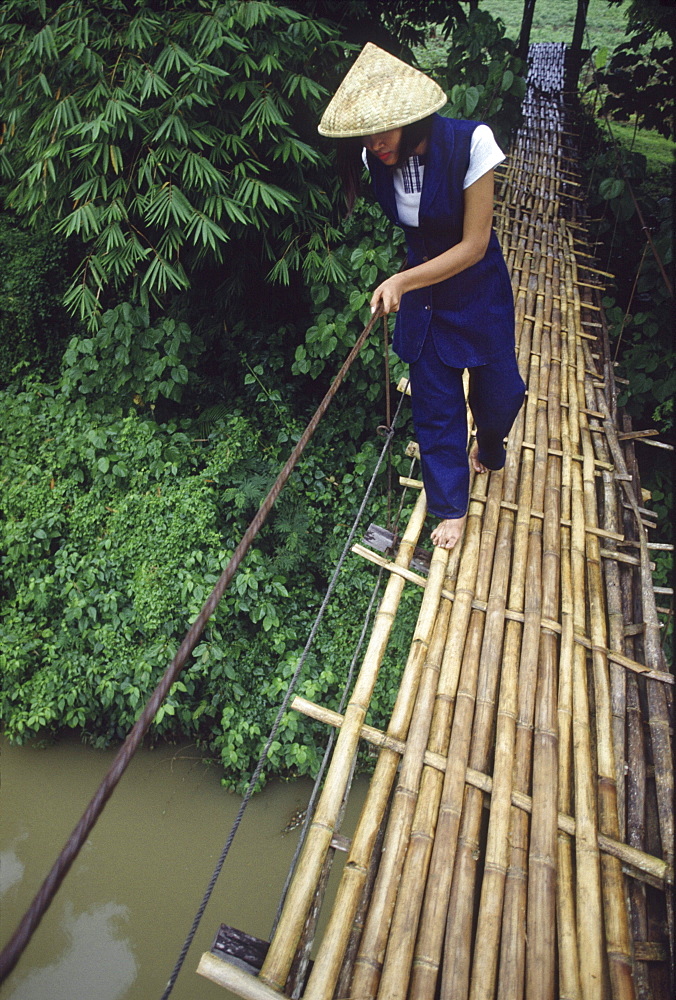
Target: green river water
118,922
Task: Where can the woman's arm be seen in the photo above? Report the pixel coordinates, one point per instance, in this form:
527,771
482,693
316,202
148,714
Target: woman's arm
476,231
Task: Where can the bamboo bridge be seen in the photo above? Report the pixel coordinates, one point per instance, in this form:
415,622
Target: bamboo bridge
517,839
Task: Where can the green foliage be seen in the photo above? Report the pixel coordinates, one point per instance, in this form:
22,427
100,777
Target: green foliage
176,144
642,335
371,250
33,322
482,76
553,21
658,151
388,23
162,138
640,328
114,529
127,360
640,77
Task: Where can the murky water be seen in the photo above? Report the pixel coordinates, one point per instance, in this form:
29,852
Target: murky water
120,918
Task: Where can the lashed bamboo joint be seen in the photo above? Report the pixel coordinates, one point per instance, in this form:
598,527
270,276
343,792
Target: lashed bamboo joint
517,838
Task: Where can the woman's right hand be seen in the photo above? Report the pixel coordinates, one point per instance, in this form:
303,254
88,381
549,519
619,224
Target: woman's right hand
388,294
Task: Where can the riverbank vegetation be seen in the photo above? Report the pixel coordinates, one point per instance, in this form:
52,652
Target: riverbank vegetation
178,288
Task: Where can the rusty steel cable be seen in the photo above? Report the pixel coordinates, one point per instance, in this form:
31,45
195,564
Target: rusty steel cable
45,894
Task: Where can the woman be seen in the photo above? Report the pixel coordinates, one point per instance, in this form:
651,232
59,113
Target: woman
433,176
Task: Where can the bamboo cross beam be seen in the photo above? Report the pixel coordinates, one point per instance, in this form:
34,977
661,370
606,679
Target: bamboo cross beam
245,985
640,861
512,614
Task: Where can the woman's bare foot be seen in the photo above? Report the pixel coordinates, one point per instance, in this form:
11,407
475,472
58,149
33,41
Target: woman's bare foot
474,459
447,532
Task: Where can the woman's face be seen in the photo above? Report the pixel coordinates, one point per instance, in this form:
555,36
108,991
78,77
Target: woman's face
384,145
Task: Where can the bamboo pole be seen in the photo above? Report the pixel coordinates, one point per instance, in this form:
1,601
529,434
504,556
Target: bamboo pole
658,711
636,758
543,855
615,910
411,898
569,983
636,782
618,679
461,609
484,649
428,946
497,849
328,963
399,943
301,891
299,969
233,978
376,929
588,870
527,546
569,972
343,984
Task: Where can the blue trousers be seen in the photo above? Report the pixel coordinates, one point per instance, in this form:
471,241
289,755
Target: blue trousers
496,392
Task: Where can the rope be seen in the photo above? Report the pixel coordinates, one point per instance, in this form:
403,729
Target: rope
41,901
280,714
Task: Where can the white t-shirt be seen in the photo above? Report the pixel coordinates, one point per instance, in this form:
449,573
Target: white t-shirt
484,154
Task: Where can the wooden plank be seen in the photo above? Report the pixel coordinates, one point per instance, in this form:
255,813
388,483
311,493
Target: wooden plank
651,951
240,948
383,540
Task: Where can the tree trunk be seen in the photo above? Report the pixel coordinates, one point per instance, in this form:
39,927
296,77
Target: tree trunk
526,24
575,52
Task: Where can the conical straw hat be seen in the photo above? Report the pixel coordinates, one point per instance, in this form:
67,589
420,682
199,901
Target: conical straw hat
379,93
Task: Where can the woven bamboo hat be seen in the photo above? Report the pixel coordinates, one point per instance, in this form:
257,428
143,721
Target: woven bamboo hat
379,93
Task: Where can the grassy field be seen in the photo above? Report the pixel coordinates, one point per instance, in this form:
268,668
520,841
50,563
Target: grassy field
658,151
554,19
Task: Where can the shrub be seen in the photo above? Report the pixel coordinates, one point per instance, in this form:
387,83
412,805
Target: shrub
114,530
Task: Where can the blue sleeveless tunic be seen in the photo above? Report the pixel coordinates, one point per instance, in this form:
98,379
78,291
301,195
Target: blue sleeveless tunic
470,315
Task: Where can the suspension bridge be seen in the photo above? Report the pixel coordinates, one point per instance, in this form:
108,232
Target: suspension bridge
503,849
517,838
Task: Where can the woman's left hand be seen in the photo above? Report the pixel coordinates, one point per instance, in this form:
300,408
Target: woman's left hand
388,294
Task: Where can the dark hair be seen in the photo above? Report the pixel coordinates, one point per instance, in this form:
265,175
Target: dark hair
349,152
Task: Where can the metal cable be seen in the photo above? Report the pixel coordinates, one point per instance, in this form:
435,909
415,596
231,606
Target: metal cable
309,812
282,709
41,901
332,737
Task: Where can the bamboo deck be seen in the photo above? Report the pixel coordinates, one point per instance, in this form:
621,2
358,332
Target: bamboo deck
517,839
